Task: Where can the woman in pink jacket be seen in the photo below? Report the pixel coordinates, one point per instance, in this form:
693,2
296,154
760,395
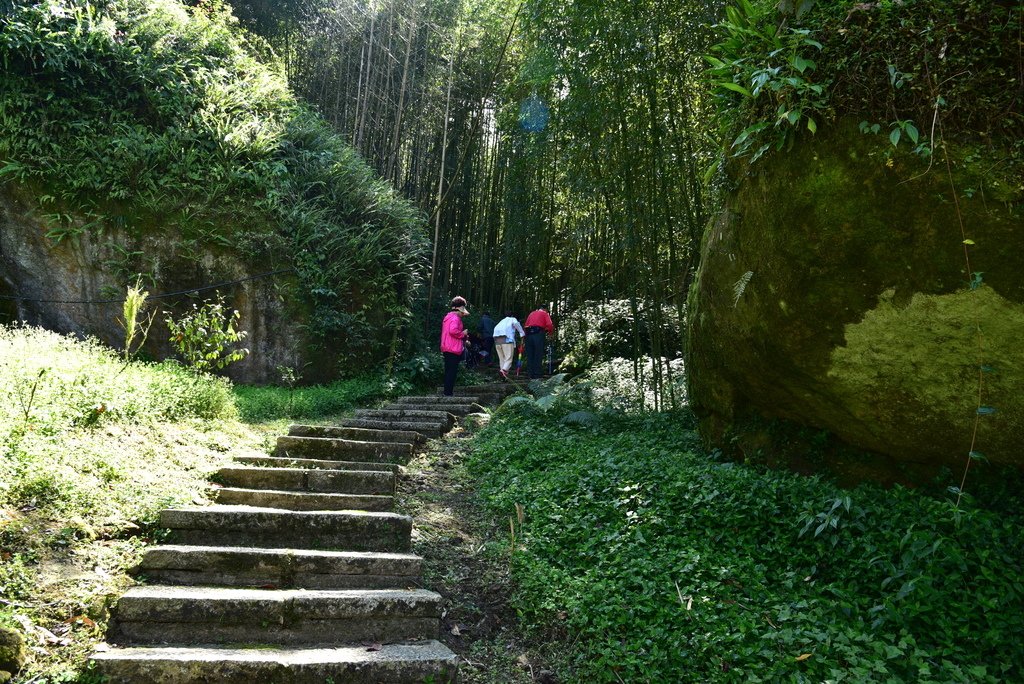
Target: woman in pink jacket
453,336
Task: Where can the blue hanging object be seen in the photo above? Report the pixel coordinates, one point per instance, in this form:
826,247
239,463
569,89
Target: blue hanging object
534,114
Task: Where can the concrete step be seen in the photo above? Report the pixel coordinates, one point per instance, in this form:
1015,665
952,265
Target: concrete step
405,412
303,501
356,434
458,410
428,661
425,429
279,568
223,525
304,480
291,617
504,388
316,464
327,448
433,400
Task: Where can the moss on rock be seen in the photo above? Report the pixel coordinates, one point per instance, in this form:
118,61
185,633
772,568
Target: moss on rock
12,653
859,318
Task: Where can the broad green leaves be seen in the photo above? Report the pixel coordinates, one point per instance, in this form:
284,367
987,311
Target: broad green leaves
770,66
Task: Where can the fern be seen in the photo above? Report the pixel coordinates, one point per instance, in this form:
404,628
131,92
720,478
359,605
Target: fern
518,400
543,388
740,287
546,402
581,418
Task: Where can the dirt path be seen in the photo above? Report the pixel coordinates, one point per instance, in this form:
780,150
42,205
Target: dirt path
465,560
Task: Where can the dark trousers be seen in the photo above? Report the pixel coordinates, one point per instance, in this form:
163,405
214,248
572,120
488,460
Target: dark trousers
534,354
451,369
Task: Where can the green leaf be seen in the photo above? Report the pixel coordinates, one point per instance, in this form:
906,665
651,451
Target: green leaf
894,137
801,64
912,132
735,87
968,241
811,126
709,173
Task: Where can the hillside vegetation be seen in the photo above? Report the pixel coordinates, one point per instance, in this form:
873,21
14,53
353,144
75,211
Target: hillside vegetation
155,117
638,558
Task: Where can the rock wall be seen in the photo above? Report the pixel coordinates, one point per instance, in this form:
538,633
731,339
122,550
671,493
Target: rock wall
91,267
857,315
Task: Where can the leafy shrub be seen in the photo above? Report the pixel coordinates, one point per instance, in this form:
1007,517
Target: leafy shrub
780,69
204,335
645,560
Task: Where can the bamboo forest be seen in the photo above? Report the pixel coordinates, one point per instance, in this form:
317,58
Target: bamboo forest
511,341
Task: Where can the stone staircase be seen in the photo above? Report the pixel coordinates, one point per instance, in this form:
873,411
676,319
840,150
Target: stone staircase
301,573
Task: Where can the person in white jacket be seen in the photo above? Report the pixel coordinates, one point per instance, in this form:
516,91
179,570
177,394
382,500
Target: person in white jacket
505,341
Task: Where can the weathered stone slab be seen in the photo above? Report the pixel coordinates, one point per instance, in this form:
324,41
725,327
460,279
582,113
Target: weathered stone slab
355,433
316,464
409,412
223,525
392,664
455,410
434,400
304,501
501,388
278,568
166,614
299,479
342,449
425,429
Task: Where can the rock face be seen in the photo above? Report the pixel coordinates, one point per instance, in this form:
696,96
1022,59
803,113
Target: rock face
96,265
12,653
834,293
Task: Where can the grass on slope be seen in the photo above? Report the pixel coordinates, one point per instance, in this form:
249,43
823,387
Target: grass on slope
640,559
90,450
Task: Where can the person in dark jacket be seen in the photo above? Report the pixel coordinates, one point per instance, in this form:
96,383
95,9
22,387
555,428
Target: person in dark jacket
486,330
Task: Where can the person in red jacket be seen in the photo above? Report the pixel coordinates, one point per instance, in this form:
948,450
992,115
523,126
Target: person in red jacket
538,326
453,339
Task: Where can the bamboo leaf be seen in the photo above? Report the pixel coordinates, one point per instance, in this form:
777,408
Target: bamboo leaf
735,87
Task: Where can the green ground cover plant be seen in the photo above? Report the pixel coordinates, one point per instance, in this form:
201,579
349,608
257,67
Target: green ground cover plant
645,560
91,448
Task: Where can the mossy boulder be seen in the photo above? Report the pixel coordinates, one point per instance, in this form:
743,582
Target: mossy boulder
835,292
12,653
